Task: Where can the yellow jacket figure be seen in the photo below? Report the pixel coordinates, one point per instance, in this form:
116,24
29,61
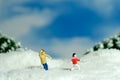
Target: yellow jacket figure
43,57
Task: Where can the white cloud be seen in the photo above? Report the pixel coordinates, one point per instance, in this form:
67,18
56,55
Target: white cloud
66,47
17,25
21,9
105,8
6,7
20,25
102,7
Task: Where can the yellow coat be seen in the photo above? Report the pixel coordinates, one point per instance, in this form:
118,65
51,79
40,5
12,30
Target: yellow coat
43,57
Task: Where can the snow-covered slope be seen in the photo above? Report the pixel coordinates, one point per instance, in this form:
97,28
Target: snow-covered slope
25,65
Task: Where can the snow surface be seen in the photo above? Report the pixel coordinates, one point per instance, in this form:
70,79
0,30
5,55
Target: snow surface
25,65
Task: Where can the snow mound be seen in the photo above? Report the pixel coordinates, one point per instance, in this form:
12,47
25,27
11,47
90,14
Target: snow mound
18,60
25,65
24,59
111,55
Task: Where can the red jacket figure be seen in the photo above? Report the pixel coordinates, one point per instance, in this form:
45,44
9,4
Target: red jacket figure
75,61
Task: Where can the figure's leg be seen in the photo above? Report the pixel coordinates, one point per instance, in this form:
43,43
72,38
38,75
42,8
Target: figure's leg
78,67
73,67
46,66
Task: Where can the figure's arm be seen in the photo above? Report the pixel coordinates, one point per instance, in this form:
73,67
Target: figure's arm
39,55
78,59
48,56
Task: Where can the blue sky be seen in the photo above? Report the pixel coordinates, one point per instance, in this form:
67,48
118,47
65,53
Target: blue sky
61,27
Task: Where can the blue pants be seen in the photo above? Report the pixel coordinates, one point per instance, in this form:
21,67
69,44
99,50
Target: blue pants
45,66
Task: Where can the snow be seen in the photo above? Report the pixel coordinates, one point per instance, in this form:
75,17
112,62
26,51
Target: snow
25,65
118,43
4,44
18,44
110,44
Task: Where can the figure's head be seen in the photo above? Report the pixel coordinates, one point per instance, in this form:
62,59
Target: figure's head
74,55
42,50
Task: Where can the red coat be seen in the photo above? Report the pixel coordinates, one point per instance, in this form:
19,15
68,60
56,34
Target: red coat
75,60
